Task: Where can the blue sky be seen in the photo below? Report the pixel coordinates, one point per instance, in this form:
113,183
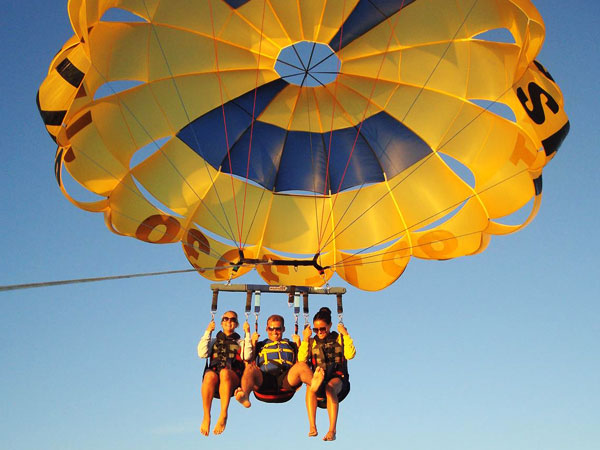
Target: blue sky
495,351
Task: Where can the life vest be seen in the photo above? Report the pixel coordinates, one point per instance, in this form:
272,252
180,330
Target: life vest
328,354
276,357
226,353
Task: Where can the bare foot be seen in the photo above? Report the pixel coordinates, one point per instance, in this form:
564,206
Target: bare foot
205,427
221,423
241,397
330,436
313,432
317,379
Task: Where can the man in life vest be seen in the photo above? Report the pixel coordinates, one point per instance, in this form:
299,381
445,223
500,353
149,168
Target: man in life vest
227,353
275,375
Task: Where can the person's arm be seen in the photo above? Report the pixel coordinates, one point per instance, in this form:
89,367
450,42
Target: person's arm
246,344
206,342
303,349
349,349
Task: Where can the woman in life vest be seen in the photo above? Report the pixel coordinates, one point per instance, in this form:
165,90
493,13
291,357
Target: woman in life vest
330,351
227,353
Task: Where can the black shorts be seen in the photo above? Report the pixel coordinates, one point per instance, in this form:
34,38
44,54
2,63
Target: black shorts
216,393
273,384
322,397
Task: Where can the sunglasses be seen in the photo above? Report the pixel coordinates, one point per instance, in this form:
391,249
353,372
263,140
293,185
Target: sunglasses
274,328
229,319
320,330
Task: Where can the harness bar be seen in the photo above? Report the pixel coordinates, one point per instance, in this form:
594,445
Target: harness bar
276,289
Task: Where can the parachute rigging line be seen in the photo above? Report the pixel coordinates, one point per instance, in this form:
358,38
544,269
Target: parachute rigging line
253,119
212,22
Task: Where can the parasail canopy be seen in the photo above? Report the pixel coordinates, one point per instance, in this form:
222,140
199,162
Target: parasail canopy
305,138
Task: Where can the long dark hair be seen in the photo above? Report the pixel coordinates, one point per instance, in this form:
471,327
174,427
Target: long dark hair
324,314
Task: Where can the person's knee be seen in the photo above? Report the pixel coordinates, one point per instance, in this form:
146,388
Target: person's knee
331,388
226,376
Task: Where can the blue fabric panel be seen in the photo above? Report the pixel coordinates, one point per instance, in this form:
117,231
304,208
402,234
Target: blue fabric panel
267,146
206,134
396,146
303,163
363,167
366,15
235,4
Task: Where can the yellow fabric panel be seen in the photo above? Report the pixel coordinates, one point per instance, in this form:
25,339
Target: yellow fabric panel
116,51
93,165
288,13
306,115
417,114
335,13
177,177
129,120
256,37
427,192
375,270
272,28
357,218
508,191
483,142
458,236
212,258
131,214
294,223
499,228
191,53
230,209
310,15
294,276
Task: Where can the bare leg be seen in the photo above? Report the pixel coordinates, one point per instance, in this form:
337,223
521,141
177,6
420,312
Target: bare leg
228,381
333,388
251,381
209,383
300,372
311,408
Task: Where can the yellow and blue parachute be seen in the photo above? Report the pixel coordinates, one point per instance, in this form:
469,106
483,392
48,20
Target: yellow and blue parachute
305,137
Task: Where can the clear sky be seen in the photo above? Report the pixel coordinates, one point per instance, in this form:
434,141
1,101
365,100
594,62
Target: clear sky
495,351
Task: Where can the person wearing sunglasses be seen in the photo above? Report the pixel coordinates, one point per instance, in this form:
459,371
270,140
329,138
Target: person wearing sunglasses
224,368
275,375
328,351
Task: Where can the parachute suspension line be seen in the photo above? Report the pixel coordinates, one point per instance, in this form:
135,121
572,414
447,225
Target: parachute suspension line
440,59
449,208
326,187
405,115
137,194
364,114
422,162
218,72
253,119
312,161
168,66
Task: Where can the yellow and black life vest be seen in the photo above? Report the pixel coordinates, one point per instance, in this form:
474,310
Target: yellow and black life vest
328,354
226,353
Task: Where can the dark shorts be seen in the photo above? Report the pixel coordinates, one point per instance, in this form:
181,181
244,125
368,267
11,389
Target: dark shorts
321,396
216,393
276,383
